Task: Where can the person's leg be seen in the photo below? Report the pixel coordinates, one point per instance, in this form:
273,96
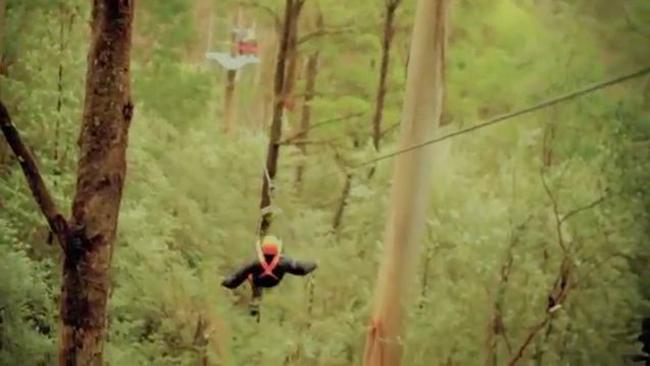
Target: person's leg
254,306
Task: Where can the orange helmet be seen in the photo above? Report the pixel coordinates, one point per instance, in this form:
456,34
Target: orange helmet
270,249
271,245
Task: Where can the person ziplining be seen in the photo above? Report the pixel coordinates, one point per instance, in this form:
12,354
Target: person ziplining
267,270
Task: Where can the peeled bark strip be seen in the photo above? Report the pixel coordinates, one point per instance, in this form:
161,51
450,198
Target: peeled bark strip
409,197
101,170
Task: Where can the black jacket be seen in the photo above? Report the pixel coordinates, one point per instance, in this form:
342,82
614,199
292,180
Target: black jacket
254,269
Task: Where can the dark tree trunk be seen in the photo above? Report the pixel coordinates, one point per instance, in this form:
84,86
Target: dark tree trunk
340,208
305,117
4,153
389,31
291,71
59,83
87,238
273,151
101,171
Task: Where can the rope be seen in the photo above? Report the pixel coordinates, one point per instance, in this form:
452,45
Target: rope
492,121
264,210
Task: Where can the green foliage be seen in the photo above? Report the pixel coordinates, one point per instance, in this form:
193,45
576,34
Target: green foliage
27,331
191,200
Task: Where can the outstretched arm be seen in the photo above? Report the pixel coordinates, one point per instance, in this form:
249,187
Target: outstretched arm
297,268
239,276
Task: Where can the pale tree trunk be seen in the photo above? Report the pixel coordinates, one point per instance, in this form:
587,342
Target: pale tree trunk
279,91
411,184
268,49
389,31
230,95
305,117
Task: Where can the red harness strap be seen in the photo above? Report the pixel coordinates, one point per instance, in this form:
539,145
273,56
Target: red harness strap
268,267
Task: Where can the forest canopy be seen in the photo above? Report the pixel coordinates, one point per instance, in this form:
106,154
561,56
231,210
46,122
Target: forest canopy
171,135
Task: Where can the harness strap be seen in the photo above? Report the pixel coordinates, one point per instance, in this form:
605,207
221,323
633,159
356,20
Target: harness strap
268,267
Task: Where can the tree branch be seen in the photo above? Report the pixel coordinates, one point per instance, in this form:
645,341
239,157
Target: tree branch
636,28
531,335
556,213
307,142
389,129
266,9
323,32
496,325
336,119
583,208
299,134
54,218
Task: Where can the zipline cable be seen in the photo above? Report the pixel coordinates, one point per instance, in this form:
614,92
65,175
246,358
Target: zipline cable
544,104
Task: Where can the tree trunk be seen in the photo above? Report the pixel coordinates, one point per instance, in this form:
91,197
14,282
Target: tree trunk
230,97
343,201
268,48
409,197
273,151
549,137
292,60
305,117
389,31
101,171
3,8
4,152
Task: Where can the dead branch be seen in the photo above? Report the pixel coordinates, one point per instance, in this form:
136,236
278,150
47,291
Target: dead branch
54,218
531,335
562,285
556,214
496,325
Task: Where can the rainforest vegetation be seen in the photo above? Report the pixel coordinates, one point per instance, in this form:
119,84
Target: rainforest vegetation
470,178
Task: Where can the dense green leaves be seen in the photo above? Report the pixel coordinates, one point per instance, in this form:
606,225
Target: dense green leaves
190,205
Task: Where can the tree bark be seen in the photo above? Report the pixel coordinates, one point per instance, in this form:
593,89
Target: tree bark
101,170
292,59
409,197
389,31
273,150
229,99
305,117
46,204
4,153
3,9
87,237
343,201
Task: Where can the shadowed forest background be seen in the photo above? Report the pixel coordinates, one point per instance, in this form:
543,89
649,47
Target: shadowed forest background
557,195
